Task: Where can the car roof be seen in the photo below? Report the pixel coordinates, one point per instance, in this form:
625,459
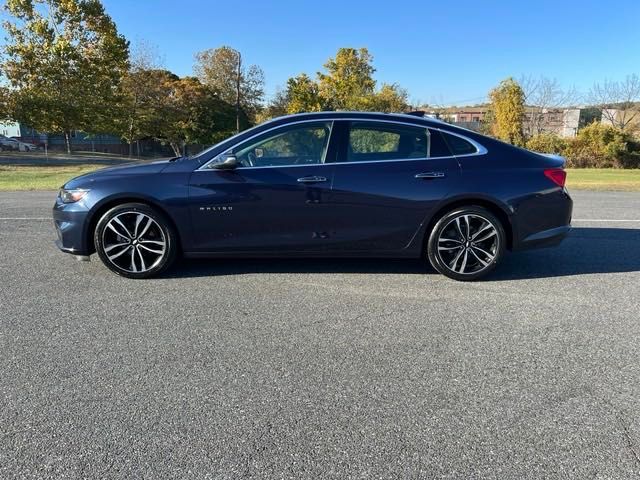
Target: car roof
346,114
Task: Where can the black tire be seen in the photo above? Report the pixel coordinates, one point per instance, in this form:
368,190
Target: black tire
457,246
134,240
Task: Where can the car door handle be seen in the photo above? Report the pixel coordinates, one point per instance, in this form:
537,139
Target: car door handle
430,175
313,179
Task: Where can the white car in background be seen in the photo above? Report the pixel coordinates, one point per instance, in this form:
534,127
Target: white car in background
12,144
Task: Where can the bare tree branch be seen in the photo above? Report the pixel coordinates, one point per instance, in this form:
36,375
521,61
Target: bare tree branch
618,101
543,95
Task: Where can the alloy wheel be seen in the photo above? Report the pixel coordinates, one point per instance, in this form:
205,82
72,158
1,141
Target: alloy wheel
134,242
468,244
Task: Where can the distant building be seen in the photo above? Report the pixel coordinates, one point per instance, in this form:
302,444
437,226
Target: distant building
564,122
466,115
615,117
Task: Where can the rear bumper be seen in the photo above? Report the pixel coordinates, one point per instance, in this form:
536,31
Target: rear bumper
545,238
543,220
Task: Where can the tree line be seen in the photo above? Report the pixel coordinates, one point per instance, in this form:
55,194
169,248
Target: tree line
67,68
611,142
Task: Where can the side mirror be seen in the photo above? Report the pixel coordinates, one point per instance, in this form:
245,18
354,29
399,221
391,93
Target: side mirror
230,163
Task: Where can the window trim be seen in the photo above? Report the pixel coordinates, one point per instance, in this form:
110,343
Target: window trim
331,124
480,150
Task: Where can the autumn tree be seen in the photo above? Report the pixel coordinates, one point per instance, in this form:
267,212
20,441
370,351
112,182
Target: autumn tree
348,82
145,98
303,95
507,106
200,116
63,61
223,70
141,92
277,107
389,99
189,112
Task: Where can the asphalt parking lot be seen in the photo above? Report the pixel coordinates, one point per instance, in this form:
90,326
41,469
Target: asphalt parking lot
323,369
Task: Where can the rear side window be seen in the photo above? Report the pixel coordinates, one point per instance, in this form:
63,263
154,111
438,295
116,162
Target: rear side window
369,141
457,145
437,147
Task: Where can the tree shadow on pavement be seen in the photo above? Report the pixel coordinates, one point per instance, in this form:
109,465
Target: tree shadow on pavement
584,251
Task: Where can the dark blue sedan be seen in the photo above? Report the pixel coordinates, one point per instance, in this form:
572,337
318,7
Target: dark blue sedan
323,185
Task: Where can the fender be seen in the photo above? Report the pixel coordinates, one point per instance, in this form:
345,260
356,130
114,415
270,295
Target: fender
502,209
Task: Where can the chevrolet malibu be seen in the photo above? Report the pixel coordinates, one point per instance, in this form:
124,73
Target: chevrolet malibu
332,184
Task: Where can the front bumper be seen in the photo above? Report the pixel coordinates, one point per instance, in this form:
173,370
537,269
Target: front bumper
69,221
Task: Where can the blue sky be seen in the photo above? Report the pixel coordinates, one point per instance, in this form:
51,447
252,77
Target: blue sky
442,52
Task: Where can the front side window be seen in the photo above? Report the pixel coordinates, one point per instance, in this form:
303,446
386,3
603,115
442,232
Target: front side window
301,144
370,141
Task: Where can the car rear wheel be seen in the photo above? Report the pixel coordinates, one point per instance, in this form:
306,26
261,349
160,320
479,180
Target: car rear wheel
466,243
135,241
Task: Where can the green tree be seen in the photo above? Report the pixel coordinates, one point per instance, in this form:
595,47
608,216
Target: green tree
190,113
235,83
63,61
303,95
145,104
277,107
141,91
389,99
507,105
348,83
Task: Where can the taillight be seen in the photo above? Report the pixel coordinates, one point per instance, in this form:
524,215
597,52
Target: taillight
556,175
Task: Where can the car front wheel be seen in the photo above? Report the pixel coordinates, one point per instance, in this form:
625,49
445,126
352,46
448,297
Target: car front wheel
466,243
135,241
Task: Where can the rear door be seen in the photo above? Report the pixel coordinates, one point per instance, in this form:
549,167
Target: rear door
388,179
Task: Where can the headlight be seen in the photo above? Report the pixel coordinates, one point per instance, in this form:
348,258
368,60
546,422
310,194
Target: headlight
73,195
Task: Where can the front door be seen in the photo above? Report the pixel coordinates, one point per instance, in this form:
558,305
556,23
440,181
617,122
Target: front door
275,201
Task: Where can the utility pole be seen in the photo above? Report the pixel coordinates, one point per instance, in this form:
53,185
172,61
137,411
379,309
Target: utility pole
238,75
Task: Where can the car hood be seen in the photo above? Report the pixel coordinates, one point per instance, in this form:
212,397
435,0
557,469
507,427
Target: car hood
135,168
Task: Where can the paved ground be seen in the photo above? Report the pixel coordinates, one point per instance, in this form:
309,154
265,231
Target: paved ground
323,369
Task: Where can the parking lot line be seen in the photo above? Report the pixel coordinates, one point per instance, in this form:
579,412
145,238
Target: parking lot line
604,220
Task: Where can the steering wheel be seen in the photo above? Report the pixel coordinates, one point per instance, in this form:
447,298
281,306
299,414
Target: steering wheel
251,157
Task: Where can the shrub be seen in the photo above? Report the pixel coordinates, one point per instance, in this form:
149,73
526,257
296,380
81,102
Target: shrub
597,145
547,143
630,160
